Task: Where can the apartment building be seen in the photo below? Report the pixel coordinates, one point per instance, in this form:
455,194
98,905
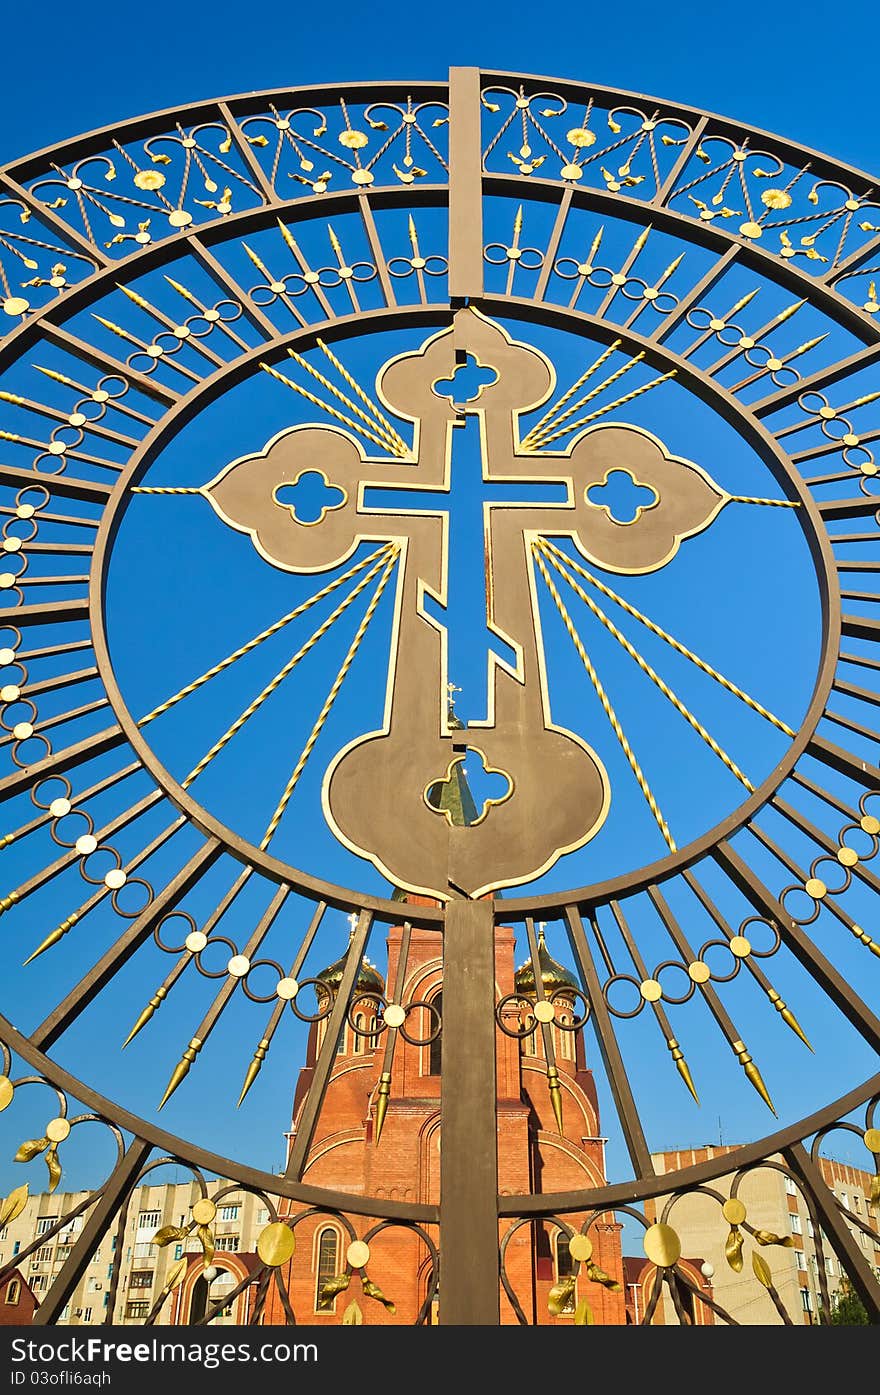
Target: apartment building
128,1269
773,1203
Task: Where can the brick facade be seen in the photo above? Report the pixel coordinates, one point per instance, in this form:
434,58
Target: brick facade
404,1164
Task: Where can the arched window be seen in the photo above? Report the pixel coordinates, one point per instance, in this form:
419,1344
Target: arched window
435,1048
199,1302
327,1257
360,1041
13,1291
564,1040
530,1042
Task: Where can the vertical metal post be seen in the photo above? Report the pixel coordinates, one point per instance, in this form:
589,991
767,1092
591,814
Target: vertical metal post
849,1254
469,1273
465,186
119,1184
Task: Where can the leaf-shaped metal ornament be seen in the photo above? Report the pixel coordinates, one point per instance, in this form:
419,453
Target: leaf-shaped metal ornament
353,1315
583,1314
599,1276
372,1290
767,1237
169,1233
14,1204
762,1269
31,1148
338,1284
176,1274
54,1167
560,1296
733,1249
161,159
206,1240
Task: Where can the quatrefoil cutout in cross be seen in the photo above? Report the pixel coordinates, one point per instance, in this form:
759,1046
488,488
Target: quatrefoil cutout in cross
374,790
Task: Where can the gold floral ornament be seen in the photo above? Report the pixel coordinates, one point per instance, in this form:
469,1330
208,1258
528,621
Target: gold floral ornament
357,1257
14,1204
203,1213
276,1244
735,1213
56,1131
767,1237
580,1247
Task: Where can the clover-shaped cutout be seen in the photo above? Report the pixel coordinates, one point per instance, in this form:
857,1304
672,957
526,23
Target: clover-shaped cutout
309,498
466,793
622,496
467,381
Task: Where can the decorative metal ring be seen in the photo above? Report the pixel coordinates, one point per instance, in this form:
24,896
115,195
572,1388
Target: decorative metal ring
12,523
377,999
36,798
15,751
619,1012
102,850
118,891
682,968
664,302
525,1030
856,828
800,920
16,557
215,940
720,944
21,496
73,814
838,867
321,989
259,997
768,925
433,1009
173,915
576,1022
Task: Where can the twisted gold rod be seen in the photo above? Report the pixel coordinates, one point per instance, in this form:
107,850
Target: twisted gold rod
557,407
397,446
381,553
364,397
332,412
603,698
281,675
164,489
655,678
536,434
603,411
680,648
329,701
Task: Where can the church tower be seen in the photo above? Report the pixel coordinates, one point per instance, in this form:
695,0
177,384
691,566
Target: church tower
382,1137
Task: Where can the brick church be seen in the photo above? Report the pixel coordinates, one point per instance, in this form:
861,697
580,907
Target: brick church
382,1138
358,1147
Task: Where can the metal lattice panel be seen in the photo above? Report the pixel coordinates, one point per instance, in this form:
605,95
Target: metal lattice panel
211,308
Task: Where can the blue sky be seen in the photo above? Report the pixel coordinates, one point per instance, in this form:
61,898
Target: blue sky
783,68
779,70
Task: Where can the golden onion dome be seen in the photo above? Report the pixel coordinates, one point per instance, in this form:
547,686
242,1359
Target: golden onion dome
553,975
368,980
